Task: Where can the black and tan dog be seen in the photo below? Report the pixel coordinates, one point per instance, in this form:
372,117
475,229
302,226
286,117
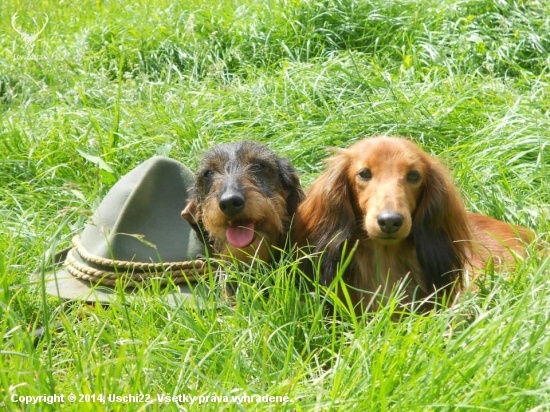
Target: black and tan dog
243,200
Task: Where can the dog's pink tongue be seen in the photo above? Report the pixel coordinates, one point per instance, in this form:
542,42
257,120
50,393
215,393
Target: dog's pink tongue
240,234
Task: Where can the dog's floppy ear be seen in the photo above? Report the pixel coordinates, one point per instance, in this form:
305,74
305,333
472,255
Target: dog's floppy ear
440,229
192,214
291,182
326,218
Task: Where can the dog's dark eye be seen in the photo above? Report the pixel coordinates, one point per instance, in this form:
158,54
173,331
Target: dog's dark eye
207,174
365,174
413,176
257,167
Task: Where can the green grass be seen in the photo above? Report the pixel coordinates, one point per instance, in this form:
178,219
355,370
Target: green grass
121,81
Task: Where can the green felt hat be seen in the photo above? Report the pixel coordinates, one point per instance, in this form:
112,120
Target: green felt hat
136,234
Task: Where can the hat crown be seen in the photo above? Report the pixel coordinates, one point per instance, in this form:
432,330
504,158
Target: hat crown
139,220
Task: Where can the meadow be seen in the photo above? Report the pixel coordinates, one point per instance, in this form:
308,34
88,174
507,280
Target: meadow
90,89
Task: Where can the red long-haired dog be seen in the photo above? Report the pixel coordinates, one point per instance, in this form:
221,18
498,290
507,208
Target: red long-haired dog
398,206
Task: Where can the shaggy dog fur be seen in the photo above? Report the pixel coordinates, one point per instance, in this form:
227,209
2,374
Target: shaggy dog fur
243,200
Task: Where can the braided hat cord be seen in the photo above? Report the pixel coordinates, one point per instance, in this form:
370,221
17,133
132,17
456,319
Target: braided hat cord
176,272
124,264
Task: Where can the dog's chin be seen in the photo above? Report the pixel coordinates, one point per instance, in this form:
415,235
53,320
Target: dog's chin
387,240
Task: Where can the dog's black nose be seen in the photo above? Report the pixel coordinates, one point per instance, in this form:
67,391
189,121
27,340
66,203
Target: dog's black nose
389,221
231,203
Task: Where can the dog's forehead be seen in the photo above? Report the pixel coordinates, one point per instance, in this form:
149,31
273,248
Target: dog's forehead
252,152
237,154
383,152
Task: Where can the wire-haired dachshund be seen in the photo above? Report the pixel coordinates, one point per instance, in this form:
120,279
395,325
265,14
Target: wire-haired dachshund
243,200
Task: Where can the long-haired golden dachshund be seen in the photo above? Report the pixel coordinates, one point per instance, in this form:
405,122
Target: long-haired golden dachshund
398,206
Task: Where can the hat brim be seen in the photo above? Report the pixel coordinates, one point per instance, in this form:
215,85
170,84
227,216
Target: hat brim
60,283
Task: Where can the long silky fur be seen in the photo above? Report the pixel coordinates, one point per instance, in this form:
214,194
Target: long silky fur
330,226
444,236
441,231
